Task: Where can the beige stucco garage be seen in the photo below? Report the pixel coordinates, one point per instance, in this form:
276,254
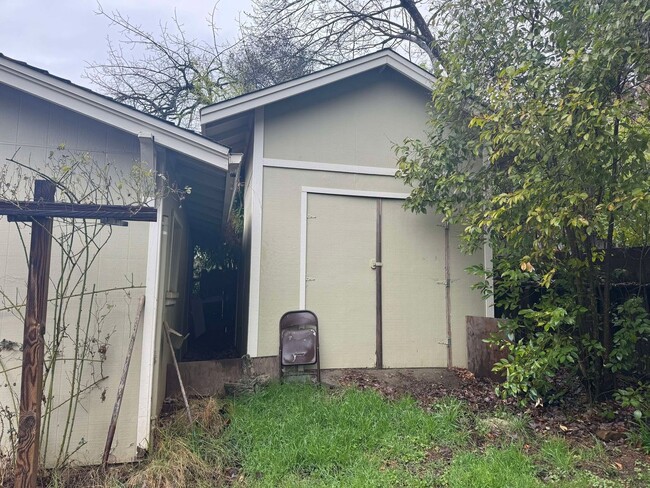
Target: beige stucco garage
324,227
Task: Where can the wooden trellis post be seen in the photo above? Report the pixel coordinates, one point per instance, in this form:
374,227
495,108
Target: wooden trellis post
31,386
40,212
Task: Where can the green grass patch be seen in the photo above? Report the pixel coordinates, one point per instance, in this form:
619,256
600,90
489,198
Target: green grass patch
298,435
302,436
496,468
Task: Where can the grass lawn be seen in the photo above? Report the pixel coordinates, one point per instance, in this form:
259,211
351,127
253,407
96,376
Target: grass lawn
293,435
303,436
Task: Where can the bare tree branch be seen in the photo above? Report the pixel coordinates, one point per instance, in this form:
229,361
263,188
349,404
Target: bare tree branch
343,29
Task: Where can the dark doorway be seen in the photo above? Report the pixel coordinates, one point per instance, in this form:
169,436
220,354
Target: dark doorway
213,305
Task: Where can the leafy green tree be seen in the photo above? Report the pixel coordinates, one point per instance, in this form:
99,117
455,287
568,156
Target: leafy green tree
538,143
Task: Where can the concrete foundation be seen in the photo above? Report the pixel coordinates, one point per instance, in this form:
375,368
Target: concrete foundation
207,378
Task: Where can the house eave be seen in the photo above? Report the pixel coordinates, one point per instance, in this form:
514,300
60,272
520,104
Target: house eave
316,80
55,90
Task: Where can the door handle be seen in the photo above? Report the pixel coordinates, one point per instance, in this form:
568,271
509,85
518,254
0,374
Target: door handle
374,264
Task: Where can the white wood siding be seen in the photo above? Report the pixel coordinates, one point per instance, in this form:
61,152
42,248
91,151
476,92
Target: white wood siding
36,128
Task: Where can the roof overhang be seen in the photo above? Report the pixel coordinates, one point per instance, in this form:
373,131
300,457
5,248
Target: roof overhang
251,101
86,102
206,201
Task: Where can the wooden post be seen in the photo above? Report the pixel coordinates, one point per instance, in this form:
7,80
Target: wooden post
120,390
178,371
40,212
31,389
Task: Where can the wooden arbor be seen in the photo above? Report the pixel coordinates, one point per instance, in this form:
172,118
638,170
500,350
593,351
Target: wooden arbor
40,212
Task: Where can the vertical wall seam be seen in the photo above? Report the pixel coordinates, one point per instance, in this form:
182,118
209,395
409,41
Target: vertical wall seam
448,297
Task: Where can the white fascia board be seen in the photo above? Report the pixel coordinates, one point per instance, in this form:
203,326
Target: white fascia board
95,106
324,77
329,167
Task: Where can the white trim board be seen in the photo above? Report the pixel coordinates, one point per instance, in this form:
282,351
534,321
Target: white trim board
329,167
55,90
149,343
257,189
355,193
487,264
321,78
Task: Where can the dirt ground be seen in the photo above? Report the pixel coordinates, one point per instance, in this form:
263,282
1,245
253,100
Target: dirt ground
426,385
394,378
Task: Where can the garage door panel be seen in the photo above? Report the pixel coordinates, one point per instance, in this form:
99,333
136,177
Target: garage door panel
340,285
413,291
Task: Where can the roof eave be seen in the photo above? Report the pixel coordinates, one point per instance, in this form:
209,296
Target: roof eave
88,103
321,78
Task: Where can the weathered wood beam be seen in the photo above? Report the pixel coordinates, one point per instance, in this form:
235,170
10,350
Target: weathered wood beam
26,211
31,385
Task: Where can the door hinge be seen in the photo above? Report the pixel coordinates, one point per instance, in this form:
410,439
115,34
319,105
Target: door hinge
308,278
446,343
309,217
374,264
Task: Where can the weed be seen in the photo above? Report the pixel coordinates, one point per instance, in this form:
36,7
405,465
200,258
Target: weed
187,455
642,473
182,455
302,436
558,455
595,453
6,468
586,479
640,434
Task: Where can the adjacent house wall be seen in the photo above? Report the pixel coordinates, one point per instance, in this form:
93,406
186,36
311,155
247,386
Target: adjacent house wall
35,128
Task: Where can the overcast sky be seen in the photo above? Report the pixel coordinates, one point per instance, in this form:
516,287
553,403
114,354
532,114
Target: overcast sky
62,36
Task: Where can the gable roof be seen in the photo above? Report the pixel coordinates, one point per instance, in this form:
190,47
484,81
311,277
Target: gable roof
259,98
42,84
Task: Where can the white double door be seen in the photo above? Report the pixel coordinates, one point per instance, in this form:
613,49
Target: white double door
375,279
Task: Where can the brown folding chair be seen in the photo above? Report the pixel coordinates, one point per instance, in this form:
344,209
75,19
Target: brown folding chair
299,344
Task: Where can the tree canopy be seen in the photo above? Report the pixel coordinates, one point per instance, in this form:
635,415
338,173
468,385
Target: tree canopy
172,74
343,29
